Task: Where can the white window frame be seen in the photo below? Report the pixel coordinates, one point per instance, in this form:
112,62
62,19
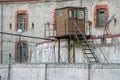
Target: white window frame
80,14
72,14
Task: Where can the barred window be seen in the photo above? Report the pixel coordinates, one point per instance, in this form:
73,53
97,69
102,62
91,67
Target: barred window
101,14
21,52
22,20
101,17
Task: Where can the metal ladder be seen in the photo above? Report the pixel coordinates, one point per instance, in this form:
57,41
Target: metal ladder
86,48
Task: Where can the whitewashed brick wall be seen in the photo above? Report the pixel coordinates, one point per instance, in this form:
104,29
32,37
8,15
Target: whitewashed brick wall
61,72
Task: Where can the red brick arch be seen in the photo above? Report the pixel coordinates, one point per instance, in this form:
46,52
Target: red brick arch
16,19
105,6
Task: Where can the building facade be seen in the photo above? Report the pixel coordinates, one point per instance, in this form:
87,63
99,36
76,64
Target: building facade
30,18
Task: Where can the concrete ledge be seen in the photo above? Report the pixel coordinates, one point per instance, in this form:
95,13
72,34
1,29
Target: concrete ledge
3,66
75,65
105,66
31,65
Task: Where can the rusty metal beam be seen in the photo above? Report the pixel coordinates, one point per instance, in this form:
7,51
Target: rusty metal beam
104,36
27,36
34,0
16,0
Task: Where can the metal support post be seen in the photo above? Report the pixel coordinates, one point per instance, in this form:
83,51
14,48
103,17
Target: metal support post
59,51
68,50
20,48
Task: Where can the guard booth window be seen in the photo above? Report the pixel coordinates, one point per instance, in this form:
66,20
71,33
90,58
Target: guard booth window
59,13
101,17
80,14
72,14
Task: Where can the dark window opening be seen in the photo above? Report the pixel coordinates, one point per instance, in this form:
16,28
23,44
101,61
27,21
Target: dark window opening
80,14
59,13
101,12
10,26
72,14
32,25
21,53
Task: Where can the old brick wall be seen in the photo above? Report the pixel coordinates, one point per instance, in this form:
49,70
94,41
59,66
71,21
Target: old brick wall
61,71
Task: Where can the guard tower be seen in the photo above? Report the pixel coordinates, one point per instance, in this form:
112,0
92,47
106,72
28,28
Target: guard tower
65,19
70,24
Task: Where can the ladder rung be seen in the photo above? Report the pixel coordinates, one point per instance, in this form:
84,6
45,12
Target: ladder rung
92,57
86,42
87,49
93,61
89,53
85,45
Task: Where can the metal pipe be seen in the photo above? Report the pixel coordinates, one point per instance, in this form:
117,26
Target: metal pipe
46,72
81,2
20,48
69,51
30,53
28,36
1,30
59,51
9,68
88,71
73,51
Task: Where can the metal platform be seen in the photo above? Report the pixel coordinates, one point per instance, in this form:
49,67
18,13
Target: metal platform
71,36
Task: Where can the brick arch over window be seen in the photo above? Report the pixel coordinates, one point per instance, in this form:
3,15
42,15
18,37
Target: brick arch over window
21,12
100,7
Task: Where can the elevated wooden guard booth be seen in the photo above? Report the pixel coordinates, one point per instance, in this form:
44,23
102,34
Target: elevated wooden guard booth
69,21
67,18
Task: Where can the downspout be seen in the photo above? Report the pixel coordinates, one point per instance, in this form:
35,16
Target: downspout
1,31
9,68
69,51
81,2
88,71
45,71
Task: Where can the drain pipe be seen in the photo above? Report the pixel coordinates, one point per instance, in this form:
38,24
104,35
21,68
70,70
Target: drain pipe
81,2
45,71
9,68
1,52
88,71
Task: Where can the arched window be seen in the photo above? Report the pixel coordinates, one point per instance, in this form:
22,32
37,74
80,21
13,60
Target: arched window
21,51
